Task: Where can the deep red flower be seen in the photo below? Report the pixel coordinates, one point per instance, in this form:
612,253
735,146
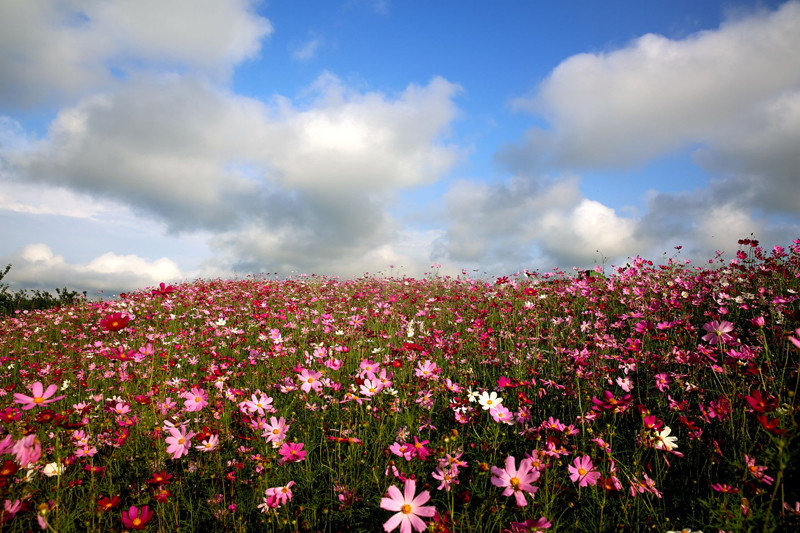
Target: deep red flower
106,504
761,403
163,290
160,478
114,322
8,469
771,425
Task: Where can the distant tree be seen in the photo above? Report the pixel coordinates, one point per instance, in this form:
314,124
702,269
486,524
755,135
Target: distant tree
22,300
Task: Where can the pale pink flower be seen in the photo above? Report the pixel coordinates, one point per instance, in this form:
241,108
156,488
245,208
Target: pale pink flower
408,508
208,445
310,380
179,442
502,415
40,396
259,404
371,387
426,370
276,430
516,481
195,400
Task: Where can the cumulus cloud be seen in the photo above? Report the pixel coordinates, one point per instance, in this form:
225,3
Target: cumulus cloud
54,49
36,266
531,223
627,106
281,182
731,94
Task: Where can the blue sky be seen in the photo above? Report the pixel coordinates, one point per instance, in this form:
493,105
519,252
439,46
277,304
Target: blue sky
163,141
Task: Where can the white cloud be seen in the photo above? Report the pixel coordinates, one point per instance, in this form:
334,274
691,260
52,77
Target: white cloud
37,266
281,184
307,50
630,105
54,49
731,94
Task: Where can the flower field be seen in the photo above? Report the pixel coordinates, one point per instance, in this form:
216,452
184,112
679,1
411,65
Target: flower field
654,398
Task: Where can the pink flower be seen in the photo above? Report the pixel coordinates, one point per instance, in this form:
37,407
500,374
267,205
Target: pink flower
276,430
447,476
759,472
40,396
408,508
292,452
582,471
276,496
133,518
195,400
27,450
718,332
259,404
426,370
179,442
796,341
502,415
404,450
208,445
528,525
516,482
310,380
10,510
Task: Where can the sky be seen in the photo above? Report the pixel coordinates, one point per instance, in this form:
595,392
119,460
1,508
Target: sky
147,141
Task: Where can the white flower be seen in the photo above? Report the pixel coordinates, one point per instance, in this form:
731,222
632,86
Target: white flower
488,400
473,395
664,441
53,469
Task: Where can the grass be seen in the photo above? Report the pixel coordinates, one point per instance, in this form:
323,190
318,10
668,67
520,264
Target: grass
656,398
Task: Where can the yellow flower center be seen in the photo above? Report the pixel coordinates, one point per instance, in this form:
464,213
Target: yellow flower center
137,521
515,482
311,380
38,399
406,509
181,441
582,472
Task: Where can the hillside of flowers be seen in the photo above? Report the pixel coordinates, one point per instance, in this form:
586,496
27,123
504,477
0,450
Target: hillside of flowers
651,398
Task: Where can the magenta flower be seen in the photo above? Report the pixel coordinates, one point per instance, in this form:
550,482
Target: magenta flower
582,471
179,442
408,508
718,332
292,452
516,482
134,518
420,450
40,396
194,400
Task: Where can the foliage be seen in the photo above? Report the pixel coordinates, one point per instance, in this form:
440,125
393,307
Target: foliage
22,300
